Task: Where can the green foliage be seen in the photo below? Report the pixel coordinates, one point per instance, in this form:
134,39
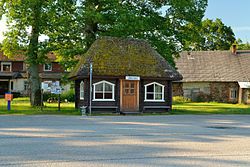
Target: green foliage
203,97
212,35
27,20
68,96
180,99
242,46
139,19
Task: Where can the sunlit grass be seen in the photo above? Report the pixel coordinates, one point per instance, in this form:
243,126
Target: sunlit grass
210,108
22,106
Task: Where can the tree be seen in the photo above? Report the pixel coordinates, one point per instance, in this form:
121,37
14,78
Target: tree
162,23
242,46
213,35
27,21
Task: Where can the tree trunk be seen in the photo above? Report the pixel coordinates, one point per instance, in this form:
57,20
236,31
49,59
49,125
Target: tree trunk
32,56
35,94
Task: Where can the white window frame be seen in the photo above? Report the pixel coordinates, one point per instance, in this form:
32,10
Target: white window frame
47,69
236,93
82,90
6,63
153,100
104,82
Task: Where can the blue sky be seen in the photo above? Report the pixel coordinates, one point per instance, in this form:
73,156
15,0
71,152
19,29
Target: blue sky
234,13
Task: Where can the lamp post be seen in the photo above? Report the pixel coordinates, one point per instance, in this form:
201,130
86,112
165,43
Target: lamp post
90,86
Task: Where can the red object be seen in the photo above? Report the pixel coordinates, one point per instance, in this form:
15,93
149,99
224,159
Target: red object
8,96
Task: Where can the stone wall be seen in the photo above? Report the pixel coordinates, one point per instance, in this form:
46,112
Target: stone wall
205,91
220,91
177,89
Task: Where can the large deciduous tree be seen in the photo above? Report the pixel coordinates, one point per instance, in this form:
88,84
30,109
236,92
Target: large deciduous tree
27,20
161,22
211,35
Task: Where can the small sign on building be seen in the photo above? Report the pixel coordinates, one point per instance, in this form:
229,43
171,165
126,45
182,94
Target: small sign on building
132,78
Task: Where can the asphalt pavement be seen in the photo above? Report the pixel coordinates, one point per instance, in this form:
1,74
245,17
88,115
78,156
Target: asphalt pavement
108,141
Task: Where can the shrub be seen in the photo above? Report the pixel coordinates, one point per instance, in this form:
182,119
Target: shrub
49,96
69,96
203,97
181,99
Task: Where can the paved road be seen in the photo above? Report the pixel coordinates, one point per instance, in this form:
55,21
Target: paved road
182,141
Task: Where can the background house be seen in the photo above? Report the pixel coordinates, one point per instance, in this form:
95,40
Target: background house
13,73
128,75
221,76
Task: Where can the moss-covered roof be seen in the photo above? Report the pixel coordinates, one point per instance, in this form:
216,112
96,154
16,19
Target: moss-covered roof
113,56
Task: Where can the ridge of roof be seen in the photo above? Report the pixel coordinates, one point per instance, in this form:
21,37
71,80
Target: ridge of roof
212,66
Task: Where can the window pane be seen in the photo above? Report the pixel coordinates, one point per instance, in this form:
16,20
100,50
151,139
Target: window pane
81,95
99,87
132,85
126,85
150,96
150,88
6,68
126,91
108,87
158,96
47,67
132,91
99,95
158,89
108,95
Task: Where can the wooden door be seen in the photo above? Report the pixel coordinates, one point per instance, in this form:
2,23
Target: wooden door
129,95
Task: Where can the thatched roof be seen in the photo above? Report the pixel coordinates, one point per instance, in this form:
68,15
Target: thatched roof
124,56
214,66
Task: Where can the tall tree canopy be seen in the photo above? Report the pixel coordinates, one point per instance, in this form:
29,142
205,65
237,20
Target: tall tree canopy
27,20
72,25
212,35
162,23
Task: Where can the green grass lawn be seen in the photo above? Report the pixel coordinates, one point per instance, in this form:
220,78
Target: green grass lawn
21,106
210,108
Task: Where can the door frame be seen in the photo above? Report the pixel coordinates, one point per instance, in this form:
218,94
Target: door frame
137,93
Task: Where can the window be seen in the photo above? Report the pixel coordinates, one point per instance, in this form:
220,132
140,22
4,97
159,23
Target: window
154,92
233,93
82,90
26,85
11,85
47,67
104,91
6,66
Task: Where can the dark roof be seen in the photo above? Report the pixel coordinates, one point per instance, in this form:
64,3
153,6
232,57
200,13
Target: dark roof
113,56
214,66
21,57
